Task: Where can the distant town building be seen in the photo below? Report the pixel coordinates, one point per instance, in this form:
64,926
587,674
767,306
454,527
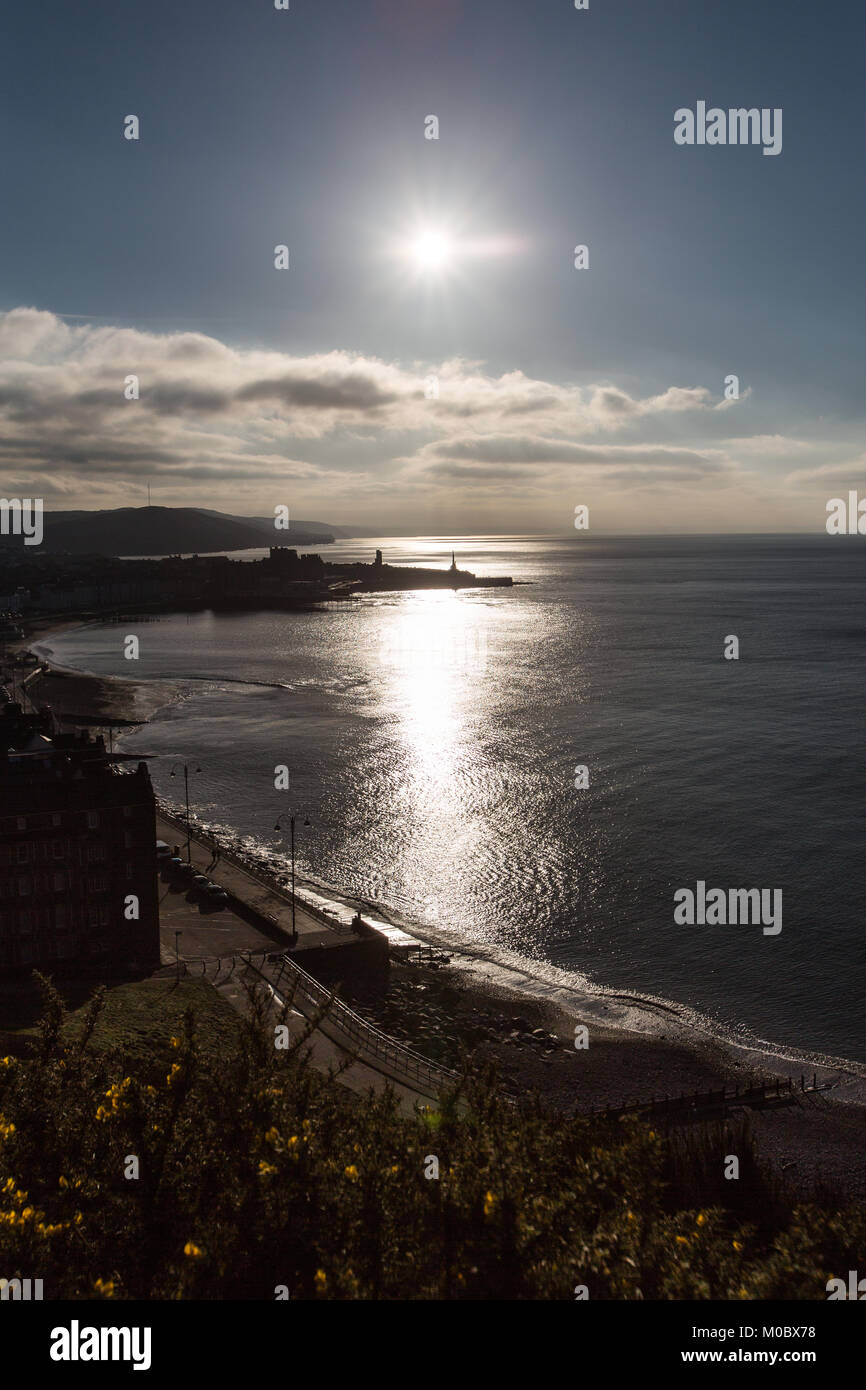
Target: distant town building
78,874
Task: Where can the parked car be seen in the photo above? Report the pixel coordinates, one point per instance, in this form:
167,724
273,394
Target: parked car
216,893
185,869
163,851
175,863
200,880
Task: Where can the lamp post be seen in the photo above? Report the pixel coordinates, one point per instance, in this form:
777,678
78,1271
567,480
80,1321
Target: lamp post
186,788
177,935
292,837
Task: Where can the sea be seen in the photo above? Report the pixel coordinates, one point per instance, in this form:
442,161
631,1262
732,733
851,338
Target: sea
529,775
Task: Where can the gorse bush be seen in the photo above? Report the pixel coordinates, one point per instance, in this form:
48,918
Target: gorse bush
255,1172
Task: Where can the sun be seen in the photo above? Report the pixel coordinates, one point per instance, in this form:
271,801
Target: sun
431,250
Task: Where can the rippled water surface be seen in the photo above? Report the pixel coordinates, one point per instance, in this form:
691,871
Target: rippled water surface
432,740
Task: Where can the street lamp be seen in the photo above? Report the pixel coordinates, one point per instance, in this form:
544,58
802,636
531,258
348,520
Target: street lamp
177,935
292,825
186,786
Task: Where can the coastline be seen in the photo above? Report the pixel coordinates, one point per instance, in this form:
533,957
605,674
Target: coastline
70,692
502,1013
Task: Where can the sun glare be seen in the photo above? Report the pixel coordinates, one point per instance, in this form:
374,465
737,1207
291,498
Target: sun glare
431,250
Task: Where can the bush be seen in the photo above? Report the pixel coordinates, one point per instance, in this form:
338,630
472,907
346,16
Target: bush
256,1172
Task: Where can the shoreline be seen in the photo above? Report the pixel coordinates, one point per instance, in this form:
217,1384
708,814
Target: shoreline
450,1015
525,1024
71,692
134,701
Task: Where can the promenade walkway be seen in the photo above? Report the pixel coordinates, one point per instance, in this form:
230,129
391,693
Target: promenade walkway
367,1059
248,887
216,943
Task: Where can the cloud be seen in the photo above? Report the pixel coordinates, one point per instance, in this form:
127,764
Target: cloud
346,392
844,473
338,429
480,456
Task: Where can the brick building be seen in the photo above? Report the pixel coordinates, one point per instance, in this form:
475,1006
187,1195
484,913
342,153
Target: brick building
77,844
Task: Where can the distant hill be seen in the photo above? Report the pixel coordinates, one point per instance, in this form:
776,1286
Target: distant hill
167,531
265,524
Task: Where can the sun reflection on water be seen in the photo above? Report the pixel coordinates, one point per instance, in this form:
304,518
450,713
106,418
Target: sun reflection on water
433,663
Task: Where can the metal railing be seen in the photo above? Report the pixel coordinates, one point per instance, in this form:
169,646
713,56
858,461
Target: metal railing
372,1043
260,876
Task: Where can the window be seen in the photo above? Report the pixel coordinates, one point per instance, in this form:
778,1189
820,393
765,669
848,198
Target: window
22,822
130,869
23,887
23,853
95,854
57,849
128,812
92,820
60,916
59,882
56,820
127,839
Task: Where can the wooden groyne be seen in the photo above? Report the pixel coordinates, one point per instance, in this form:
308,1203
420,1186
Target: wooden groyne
707,1105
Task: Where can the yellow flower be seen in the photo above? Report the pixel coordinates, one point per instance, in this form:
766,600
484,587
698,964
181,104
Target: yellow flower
272,1136
7,1061
682,1240
266,1168
175,1068
51,1230
489,1203
321,1281
351,1172
105,1288
62,1182
738,1245
174,1042
700,1218
192,1251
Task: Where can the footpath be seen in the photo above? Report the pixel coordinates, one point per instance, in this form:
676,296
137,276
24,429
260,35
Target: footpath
248,942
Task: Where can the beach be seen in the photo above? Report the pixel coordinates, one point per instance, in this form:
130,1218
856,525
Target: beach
71,693
464,1007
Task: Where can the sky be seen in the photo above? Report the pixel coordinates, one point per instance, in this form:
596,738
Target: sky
432,361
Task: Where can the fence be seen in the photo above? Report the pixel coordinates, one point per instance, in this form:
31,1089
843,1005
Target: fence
371,1043
755,1097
